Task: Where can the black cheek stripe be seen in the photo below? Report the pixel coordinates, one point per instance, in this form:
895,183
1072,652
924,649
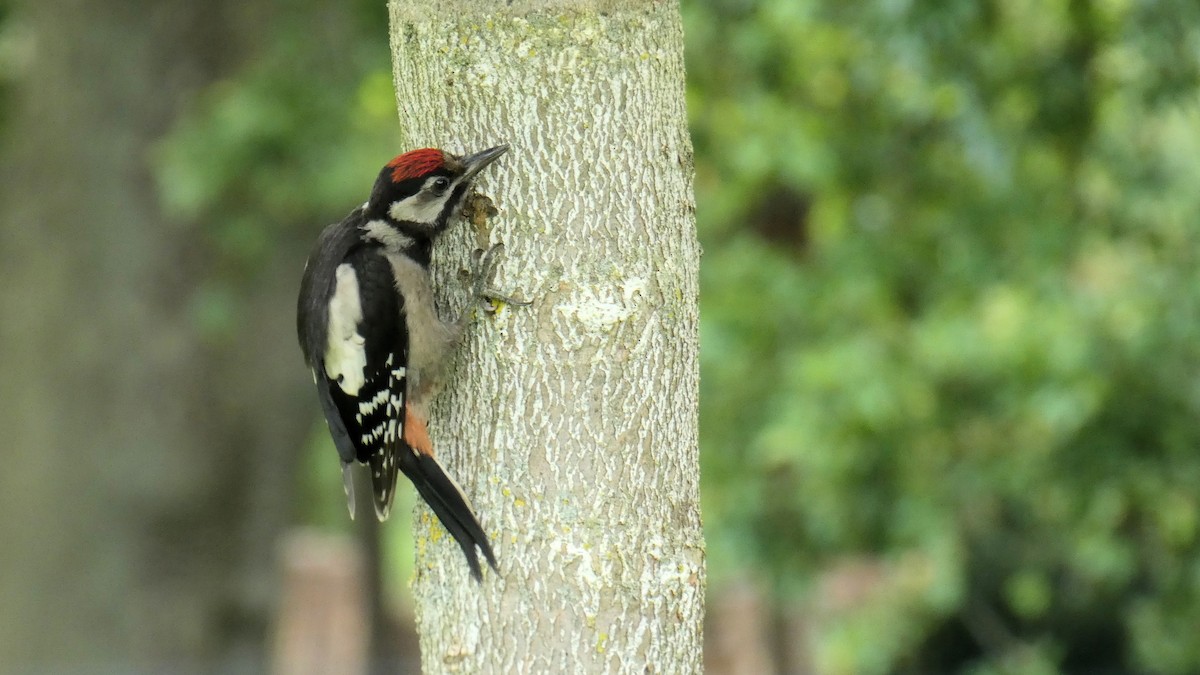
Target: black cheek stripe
454,200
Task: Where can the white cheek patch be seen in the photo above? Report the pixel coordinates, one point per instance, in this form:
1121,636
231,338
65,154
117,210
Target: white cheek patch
346,354
420,208
425,206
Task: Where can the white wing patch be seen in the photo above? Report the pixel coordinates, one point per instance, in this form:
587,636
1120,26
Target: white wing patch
346,354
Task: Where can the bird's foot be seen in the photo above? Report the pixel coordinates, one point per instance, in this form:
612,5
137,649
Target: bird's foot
484,264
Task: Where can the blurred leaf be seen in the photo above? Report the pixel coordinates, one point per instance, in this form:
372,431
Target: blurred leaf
983,328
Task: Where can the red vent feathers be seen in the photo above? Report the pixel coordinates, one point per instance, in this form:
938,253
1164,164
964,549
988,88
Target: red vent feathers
416,163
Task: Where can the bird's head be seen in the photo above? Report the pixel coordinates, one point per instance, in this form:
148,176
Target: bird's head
421,190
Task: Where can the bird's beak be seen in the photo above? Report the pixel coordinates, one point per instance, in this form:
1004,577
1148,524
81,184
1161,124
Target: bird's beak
476,162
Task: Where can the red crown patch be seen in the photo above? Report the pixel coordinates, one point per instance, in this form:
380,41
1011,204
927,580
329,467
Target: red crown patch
416,163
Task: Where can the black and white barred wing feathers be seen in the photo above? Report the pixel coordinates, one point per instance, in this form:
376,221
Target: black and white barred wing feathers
360,368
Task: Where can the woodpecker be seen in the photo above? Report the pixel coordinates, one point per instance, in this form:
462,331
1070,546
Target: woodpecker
373,339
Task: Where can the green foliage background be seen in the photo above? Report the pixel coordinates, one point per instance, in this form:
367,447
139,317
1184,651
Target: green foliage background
975,352
950,304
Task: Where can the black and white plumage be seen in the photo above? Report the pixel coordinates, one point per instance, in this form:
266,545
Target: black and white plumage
373,340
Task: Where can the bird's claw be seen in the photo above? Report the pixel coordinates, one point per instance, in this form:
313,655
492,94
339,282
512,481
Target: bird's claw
485,264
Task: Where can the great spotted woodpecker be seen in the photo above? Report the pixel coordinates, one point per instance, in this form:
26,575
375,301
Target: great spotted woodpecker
374,342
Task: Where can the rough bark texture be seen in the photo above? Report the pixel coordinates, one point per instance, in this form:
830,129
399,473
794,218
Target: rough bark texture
572,424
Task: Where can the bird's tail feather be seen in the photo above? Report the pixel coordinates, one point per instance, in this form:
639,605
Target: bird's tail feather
348,487
450,505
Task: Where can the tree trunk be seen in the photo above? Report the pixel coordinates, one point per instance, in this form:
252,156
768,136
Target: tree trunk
572,424
142,491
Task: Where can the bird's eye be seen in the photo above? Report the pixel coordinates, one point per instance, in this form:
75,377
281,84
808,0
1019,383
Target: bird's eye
440,184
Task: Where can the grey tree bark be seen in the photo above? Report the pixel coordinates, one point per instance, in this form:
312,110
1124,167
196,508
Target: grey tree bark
572,424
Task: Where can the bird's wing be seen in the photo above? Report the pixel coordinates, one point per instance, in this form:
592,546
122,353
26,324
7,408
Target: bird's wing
362,380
